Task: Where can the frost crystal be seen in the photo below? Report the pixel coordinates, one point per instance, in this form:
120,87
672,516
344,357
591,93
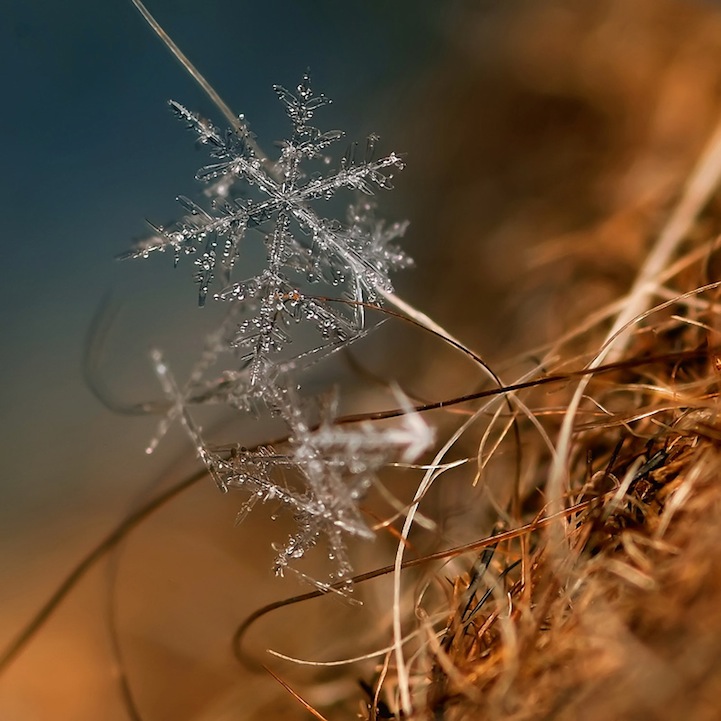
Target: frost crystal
323,470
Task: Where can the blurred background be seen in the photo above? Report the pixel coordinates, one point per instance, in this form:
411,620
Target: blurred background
545,141
91,149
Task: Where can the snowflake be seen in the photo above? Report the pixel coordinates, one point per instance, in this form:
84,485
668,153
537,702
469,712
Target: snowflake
322,471
247,192
334,467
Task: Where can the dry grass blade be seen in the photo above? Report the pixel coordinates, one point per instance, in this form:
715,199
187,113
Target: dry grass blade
195,74
317,714
698,189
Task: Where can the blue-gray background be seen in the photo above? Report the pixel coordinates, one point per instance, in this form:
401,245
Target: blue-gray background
89,149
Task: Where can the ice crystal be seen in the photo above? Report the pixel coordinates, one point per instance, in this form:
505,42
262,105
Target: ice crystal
334,466
323,470
302,247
